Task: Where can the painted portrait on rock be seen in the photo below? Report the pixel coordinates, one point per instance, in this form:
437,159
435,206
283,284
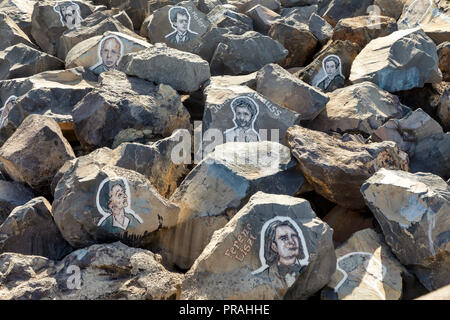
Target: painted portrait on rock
245,112
283,252
9,104
69,13
113,202
180,20
110,51
330,77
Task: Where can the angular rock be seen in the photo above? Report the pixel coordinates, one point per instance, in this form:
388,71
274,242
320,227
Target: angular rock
412,210
263,18
180,26
246,53
94,53
137,10
415,13
30,229
444,110
439,294
248,80
443,51
315,72
341,9
320,28
401,61
94,25
21,61
439,29
35,152
337,169
97,203
346,222
245,5
121,105
360,108
389,8
20,12
11,33
50,93
206,6
218,187
228,17
107,271
300,14
237,113
215,36
50,22
288,91
181,70
246,253
363,29
12,194
365,270
297,39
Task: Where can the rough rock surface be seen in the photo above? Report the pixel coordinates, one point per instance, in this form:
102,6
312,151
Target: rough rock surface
412,210
281,87
181,70
35,152
228,17
337,169
401,61
30,229
263,18
444,109
360,108
20,12
95,203
246,53
12,194
341,9
20,61
266,120
11,33
320,28
86,53
107,271
439,294
237,253
365,270
121,105
218,187
443,51
363,29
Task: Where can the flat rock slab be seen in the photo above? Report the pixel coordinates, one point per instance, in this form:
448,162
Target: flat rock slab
258,119
160,64
180,26
365,270
107,271
412,210
401,61
283,88
95,203
275,247
94,53
218,187
21,61
12,194
360,108
337,169
35,152
30,229
339,55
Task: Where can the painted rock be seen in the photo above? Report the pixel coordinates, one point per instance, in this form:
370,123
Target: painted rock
218,187
35,152
30,229
238,113
97,203
275,247
365,270
401,61
412,210
122,105
337,169
102,53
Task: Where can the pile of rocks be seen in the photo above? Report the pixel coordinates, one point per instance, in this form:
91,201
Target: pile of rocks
212,149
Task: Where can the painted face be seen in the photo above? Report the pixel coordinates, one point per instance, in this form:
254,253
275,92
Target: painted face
182,23
110,52
70,14
118,198
330,68
243,117
286,244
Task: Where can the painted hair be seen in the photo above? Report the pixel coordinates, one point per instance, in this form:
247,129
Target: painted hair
175,11
331,58
246,103
269,238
